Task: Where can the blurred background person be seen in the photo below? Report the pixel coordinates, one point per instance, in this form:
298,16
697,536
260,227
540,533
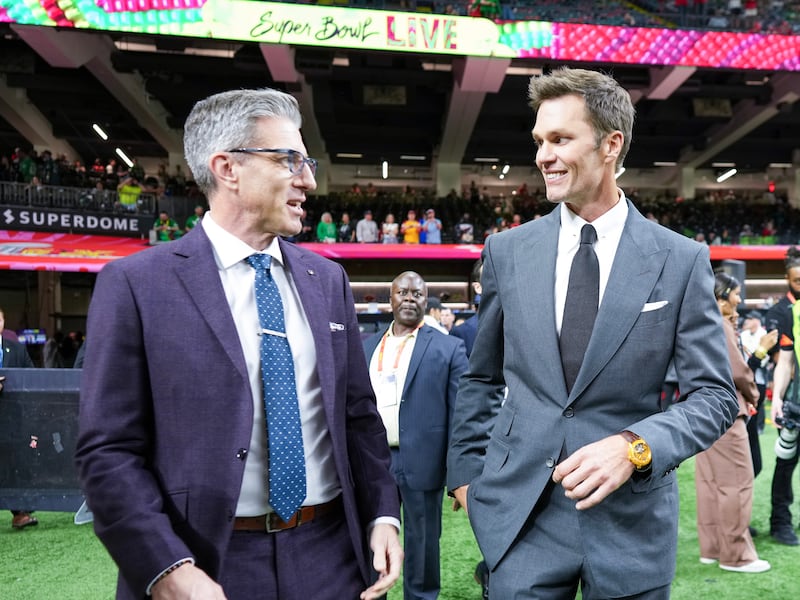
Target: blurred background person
756,344
346,232
389,230
724,472
14,355
326,229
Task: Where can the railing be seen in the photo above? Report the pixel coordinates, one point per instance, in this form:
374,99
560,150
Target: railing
72,198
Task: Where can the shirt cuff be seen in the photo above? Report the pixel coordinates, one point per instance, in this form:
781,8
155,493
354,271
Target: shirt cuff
387,520
148,590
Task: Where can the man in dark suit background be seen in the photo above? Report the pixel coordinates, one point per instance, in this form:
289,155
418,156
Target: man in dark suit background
414,370
569,479
469,328
14,355
173,444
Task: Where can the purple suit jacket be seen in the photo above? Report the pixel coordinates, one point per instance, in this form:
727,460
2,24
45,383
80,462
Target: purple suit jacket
166,408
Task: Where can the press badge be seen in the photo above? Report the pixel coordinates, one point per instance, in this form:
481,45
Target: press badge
387,394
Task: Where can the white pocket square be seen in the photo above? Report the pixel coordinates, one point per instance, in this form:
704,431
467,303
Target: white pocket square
648,306
336,326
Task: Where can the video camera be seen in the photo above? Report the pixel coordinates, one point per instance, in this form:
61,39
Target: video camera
786,444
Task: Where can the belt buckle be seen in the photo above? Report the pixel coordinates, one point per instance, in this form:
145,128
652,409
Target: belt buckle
280,525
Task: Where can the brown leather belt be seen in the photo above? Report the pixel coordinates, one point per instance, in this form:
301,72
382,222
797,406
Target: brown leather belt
271,522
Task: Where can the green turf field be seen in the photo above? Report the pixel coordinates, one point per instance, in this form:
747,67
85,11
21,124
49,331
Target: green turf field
60,560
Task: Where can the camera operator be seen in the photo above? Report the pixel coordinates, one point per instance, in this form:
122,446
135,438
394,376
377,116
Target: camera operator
785,315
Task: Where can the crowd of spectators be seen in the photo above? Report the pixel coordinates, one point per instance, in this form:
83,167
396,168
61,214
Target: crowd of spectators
713,217
466,216
42,168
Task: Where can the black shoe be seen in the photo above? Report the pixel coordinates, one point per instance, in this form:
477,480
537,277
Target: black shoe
785,536
482,577
753,531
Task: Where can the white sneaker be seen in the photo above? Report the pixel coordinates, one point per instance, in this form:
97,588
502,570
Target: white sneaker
707,561
757,566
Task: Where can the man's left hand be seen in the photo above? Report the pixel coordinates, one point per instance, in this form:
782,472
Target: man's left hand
388,556
591,473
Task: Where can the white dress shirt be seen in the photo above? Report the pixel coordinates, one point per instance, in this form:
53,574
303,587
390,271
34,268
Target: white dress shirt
238,281
388,369
609,231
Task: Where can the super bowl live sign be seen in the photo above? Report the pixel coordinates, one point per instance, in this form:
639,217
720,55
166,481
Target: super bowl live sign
58,221
297,24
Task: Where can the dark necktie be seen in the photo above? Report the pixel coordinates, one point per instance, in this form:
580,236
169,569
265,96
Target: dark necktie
287,467
580,307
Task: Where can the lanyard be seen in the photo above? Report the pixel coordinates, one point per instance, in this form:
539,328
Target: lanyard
399,350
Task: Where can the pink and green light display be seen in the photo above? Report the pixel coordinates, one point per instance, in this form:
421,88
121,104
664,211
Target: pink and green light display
299,24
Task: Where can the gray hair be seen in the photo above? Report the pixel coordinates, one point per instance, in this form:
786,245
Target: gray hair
227,120
608,104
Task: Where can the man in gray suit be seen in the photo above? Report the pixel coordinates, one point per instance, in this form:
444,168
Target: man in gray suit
571,480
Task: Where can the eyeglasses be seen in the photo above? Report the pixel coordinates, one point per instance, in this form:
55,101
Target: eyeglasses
294,159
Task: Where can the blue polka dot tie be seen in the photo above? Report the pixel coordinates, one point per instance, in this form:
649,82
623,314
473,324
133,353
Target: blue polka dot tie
287,467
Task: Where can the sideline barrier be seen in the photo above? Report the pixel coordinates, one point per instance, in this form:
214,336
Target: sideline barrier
38,434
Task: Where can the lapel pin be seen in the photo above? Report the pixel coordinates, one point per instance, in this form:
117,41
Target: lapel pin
310,271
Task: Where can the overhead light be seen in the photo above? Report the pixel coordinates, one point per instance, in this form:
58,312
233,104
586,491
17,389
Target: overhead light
723,164
501,176
432,66
124,157
213,52
341,61
506,168
486,159
726,175
412,157
130,46
780,165
620,172
527,71
99,131
664,163
385,169
349,155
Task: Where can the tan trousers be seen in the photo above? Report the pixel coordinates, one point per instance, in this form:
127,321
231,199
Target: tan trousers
724,483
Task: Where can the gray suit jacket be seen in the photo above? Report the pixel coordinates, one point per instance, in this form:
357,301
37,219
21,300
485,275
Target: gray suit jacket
658,305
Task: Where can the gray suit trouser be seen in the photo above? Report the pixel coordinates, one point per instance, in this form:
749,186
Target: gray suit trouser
547,560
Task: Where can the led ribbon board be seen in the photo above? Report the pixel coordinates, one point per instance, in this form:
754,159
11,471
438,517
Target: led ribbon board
315,25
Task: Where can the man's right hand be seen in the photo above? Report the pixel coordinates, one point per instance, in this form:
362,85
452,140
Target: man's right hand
461,497
187,582
777,410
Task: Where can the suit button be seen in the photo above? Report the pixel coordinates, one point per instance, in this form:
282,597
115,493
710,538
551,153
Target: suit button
551,462
569,413
241,454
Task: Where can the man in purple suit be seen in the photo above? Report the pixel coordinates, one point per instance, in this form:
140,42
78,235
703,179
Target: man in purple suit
173,445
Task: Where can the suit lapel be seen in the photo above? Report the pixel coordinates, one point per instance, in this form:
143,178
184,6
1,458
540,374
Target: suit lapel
309,288
424,336
197,270
535,264
635,272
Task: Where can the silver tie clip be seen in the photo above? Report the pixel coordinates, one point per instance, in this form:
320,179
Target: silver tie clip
272,332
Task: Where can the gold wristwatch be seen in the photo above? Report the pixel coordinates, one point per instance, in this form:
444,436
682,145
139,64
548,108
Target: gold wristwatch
638,451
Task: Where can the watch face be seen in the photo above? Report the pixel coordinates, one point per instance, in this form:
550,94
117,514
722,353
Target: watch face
639,453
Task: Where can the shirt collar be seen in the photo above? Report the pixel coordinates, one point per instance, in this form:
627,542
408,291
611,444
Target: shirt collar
229,249
611,221
390,331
